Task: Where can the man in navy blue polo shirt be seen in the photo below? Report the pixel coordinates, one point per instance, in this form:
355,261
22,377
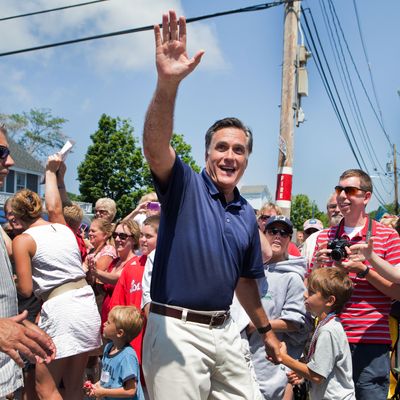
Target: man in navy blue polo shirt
208,246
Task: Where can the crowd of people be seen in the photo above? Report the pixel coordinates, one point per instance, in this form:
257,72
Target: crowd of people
194,294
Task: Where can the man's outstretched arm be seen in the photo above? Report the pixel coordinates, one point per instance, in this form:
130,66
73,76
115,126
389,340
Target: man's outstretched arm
19,336
173,65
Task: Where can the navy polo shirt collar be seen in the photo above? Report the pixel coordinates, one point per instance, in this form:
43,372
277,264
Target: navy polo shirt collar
213,190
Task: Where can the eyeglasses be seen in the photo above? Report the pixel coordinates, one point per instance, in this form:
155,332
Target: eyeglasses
349,190
332,206
121,235
275,231
100,211
264,217
4,152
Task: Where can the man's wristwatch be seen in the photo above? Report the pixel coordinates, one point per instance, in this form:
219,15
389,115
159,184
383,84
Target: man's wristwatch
364,273
264,329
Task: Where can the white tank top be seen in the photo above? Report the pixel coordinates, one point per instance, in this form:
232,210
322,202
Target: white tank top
57,259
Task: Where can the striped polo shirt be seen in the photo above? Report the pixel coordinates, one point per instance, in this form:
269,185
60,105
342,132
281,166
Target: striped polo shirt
366,315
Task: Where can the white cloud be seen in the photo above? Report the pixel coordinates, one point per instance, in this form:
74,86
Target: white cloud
12,89
126,52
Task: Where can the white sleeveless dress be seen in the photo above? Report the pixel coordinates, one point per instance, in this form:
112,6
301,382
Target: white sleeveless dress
71,318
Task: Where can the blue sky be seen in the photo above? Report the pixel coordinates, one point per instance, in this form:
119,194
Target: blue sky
240,75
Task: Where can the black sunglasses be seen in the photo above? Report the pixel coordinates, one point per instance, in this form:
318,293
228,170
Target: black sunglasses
349,190
275,231
121,235
4,152
264,217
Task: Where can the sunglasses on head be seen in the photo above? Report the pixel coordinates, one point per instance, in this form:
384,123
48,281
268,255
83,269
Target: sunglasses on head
121,235
264,217
349,190
275,231
4,152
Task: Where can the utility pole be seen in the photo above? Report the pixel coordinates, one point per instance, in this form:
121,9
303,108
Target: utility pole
288,101
396,194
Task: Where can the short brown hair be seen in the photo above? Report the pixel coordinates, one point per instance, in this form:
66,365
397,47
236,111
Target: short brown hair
365,179
127,318
332,281
73,215
26,205
153,221
230,122
134,228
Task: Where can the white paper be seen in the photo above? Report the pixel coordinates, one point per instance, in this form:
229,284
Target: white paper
66,149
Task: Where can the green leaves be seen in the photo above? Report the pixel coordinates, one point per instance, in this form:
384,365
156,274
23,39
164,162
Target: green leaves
302,209
38,131
114,165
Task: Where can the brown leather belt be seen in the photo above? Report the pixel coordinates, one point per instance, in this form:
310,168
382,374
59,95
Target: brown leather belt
210,320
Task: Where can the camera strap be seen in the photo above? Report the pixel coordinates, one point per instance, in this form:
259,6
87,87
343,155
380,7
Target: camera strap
369,232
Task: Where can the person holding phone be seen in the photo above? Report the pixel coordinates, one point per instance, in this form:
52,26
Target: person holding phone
148,205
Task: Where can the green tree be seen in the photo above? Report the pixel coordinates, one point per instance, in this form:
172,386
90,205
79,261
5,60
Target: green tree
113,166
183,150
302,209
38,131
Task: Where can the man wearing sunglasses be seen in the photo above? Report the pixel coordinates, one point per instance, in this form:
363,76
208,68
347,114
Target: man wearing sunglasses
365,317
208,245
17,336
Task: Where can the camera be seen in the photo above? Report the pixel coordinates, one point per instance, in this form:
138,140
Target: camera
338,247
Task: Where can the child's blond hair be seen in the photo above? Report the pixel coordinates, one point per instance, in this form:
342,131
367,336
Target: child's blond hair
332,281
73,215
127,318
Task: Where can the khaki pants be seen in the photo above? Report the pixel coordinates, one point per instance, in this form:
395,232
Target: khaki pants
187,360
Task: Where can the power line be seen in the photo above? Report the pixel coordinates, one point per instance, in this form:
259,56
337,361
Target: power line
358,74
257,7
354,102
336,90
50,10
358,117
320,68
367,60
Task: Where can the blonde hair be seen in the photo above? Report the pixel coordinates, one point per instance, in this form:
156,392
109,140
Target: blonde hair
332,281
26,205
152,196
105,226
134,228
127,318
73,215
389,220
269,206
108,205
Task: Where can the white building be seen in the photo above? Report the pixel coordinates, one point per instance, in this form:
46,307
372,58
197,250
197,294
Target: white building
256,195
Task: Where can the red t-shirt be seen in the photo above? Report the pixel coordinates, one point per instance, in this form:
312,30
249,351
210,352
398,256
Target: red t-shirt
128,292
81,244
293,250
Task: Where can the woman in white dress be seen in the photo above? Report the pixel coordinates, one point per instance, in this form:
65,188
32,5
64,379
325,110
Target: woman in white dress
48,263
